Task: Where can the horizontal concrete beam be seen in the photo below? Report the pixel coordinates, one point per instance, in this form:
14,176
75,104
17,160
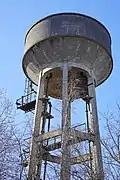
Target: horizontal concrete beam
83,136
81,158
75,136
51,158
49,135
54,146
75,160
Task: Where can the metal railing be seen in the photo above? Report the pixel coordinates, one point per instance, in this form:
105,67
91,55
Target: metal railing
81,127
26,99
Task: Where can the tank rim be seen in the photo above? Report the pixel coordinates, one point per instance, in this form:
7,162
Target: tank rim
67,13
73,36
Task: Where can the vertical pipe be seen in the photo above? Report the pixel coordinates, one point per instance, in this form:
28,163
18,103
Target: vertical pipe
65,161
45,163
50,107
118,147
34,164
89,142
97,153
44,116
22,100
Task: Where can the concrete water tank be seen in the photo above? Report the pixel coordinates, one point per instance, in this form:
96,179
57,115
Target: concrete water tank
78,39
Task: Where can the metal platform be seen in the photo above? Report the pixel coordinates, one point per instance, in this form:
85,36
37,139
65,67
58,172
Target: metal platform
27,102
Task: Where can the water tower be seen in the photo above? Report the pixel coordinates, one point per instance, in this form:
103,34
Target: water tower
67,56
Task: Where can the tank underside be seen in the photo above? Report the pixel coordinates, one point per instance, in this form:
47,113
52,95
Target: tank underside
53,51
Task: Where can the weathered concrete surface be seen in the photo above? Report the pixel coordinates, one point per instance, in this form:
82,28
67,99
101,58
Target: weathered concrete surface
75,160
75,136
81,40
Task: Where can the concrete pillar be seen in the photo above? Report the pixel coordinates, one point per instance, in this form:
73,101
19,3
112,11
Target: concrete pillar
94,126
65,160
34,165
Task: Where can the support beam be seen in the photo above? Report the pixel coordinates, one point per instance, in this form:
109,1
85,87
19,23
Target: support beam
71,141
66,123
34,165
54,146
74,137
49,135
81,159
52,158
78,136
73,134
96,149
75,160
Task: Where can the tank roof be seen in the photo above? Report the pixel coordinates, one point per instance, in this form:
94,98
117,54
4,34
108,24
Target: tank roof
67,13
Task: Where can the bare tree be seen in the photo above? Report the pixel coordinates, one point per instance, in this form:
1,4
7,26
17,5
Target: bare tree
111,145
11,142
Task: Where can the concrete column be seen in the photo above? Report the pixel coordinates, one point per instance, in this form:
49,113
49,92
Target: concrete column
65,161
94,126
36,151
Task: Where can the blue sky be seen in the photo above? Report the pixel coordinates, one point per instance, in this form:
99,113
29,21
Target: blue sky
16,17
